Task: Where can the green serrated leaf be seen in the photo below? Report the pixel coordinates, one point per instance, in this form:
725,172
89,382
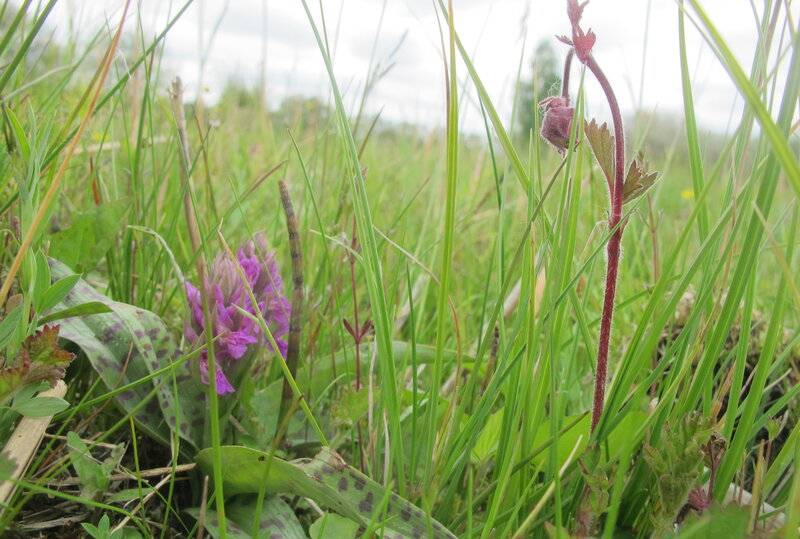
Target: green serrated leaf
41,406
85,309
602,143
638,181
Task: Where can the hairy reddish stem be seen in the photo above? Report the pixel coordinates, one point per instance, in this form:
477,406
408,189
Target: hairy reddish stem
614,244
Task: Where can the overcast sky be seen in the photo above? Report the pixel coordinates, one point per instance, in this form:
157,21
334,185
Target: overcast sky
632,36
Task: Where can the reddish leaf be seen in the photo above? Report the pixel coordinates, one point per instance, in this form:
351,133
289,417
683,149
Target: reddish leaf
350,329
45,359
602,143
11,380
638,180
42,347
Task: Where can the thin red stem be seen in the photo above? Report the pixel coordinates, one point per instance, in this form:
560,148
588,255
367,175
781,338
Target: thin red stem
614,244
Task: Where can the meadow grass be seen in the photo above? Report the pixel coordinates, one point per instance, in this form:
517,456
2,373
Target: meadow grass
453,297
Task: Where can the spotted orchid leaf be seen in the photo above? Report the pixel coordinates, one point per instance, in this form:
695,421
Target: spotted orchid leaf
277,520
329,481
128,345
332,526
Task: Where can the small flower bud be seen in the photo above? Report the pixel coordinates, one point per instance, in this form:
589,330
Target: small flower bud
557,122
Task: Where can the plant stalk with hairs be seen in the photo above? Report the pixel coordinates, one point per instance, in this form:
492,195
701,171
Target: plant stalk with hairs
609,152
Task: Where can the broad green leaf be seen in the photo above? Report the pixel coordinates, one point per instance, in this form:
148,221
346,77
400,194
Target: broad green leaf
328,480
93,479
332,526
211,524
486,445
276,519
56,292
567,440
129,344
41,406
729,522
9,324
41,280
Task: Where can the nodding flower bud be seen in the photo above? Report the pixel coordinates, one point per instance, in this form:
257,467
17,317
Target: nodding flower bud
557,122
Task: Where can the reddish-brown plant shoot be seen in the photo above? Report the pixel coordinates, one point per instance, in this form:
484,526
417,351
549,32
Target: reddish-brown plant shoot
556,129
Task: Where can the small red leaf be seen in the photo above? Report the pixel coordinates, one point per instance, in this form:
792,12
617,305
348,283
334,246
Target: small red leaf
46,360
350,329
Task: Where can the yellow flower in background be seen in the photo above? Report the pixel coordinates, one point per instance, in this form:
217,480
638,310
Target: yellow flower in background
687,193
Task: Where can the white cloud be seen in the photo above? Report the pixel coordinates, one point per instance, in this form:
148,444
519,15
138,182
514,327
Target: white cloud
413,90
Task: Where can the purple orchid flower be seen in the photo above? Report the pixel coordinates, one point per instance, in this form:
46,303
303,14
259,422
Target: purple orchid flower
239,337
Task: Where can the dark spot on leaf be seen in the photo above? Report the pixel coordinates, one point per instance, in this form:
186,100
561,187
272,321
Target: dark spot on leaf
139,333
405,514
365,505
327,469
154,365
417,533
261,458
276,536
185,428
215,522
342,484
318,476
359,482
154,332
172,421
